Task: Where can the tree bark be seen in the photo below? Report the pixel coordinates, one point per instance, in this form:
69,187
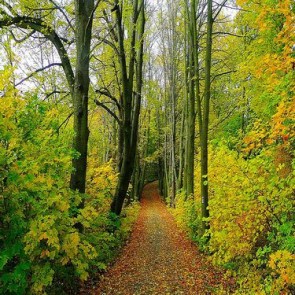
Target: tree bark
84,16
182,138
205,125
190,145
131,100
120,146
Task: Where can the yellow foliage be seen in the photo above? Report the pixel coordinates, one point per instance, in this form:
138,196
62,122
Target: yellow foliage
244,197
237,216
282,263
101,178
281,130
70,244
44,274
256,138
87,215
131,213
42,231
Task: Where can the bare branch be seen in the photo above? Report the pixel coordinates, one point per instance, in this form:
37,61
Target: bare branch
219,10
100,104
232,7
47,95
48,32
107,42
37,71
223,119
111,28
227,33
22,39
222,74
104,91
8,6
64,14
65,121
92,13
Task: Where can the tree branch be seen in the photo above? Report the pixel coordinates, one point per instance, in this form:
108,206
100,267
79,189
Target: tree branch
223,119
100,104
219,10
92,13
104,91
47,95
37,71
64,14
8,6
227,33
48,32
108,42
65,121
22,39
232,7
222,74
111,28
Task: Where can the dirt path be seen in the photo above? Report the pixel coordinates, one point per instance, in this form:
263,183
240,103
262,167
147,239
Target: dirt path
159,259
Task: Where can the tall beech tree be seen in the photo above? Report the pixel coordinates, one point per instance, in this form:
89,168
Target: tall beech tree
78,79
170,49
130,58
84,11
198,100
204,121
192,92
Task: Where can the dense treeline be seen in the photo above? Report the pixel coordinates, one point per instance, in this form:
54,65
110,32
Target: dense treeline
58,180
245,167
97,98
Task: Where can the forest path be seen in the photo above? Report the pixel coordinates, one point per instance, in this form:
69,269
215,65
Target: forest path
159,258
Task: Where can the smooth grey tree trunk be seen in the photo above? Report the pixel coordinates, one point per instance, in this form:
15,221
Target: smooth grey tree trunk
205,125
131,100
190,144
84,16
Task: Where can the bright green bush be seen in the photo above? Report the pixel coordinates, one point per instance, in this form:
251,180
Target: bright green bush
41,248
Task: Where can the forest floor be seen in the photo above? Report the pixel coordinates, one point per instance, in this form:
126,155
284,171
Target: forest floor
159,258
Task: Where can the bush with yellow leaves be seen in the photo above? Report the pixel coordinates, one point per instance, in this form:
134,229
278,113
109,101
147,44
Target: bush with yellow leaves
41,247
251,219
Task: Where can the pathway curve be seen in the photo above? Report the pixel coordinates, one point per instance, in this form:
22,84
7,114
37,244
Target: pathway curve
159,258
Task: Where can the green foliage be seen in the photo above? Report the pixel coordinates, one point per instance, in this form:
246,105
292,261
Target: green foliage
186,213
40,242
251,219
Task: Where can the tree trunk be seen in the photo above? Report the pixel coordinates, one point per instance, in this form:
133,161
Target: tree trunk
120,146
205,125
130,99
136,179
181,149
145,154
173,147
190,149
122,186
160,159
84,16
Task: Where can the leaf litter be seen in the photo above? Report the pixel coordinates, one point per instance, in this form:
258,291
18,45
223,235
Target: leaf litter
159,258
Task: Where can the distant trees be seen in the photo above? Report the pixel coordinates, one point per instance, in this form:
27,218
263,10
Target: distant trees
170,49
191,113
124,42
